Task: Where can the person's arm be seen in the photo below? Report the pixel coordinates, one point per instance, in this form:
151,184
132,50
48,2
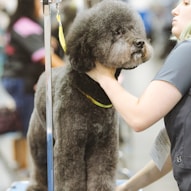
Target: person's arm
139,113
149,174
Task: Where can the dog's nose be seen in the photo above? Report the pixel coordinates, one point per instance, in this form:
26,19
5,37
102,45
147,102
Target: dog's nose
139,44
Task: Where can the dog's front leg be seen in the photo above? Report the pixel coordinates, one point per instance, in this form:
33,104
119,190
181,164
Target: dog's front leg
101,164
69,164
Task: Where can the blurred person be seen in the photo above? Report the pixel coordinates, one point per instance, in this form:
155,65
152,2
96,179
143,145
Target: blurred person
25,54
9,6
4,15
25,61
167,95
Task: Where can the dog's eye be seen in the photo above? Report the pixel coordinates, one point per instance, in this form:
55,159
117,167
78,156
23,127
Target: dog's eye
119,32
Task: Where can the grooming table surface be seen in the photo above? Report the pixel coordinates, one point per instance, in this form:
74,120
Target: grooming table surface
22,185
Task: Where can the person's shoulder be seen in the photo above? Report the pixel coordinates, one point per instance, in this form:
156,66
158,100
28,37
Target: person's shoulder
25,27
182,48
185,43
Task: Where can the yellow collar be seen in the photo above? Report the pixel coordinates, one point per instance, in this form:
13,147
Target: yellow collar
96,102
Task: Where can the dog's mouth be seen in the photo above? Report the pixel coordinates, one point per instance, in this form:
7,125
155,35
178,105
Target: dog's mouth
137,54
137,58
129,68
140,51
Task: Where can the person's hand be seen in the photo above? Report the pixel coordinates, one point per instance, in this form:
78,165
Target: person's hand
101,72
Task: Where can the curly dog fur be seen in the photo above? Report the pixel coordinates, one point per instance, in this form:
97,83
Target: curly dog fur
85,124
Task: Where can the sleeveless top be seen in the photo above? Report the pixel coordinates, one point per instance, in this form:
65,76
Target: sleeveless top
177,71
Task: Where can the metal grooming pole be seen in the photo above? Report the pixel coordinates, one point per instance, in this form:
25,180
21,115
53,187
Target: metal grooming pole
49,119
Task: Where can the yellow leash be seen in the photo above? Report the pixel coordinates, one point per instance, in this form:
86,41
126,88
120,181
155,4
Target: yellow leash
63,44
60,31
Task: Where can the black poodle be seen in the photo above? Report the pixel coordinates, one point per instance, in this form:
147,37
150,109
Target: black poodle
85,122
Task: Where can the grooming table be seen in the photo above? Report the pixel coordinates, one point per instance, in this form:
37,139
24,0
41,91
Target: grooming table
22,185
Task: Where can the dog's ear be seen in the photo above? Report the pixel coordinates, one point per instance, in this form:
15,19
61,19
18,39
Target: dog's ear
80,49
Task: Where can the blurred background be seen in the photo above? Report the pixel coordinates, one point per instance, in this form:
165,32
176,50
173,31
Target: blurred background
134,147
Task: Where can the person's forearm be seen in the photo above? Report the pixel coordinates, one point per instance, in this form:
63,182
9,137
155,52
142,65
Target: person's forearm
113,88
140,113
125,103
149,174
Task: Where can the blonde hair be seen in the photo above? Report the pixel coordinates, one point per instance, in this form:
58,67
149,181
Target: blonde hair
186,34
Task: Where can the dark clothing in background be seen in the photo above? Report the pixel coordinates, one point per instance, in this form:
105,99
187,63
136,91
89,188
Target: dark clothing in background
24,50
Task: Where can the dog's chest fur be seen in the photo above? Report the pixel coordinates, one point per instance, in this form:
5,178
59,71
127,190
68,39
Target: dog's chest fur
81,111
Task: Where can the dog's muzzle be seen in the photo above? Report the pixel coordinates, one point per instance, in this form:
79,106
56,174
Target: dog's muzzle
140,53
139,49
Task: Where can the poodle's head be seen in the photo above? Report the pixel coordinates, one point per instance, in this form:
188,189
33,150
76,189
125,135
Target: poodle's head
111,33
